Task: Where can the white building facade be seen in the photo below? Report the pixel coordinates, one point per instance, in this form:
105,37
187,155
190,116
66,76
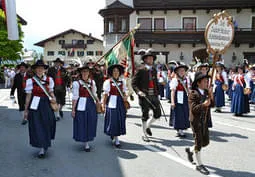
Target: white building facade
175,29
72,46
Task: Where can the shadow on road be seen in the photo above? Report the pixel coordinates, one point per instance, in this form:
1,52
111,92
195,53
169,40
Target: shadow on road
219,136
228,173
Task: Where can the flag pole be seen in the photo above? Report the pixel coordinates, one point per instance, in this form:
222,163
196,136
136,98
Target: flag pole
132,31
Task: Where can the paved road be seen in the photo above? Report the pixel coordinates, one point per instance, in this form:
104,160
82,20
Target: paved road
230,153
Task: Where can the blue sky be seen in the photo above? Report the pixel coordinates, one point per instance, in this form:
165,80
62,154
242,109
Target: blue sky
46,18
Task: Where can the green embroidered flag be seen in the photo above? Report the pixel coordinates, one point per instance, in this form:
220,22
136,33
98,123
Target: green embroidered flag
123,54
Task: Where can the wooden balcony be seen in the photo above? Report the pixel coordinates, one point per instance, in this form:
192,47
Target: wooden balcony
182,36
75,46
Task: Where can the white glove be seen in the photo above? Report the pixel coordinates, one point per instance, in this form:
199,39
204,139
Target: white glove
141,94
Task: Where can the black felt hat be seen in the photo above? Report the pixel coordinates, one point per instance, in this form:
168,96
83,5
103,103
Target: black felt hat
203,65
22,64
110,69
219,64
181,65
84,67
146,53
39,63
198,77
59,60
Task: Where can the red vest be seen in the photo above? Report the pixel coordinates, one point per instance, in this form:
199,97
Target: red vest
114,90
180,86
219,77
151,82
37,91
83,92
58,79
240,80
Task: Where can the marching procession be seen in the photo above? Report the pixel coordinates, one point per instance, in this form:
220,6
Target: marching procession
42,90
127,88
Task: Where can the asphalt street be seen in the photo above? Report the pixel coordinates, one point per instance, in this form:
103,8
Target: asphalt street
229,154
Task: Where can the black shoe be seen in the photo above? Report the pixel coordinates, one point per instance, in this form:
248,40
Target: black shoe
217,110
202,169
87,149
57,118
24,122
148,131
182,136
41,155
238,115
146,139
117,145
61,114
190,155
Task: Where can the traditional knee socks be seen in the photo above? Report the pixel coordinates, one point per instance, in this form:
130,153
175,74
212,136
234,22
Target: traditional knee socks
198,157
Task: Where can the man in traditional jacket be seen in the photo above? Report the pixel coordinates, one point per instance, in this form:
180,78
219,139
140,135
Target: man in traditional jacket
200,101
98,76
145,84
19,83
61,79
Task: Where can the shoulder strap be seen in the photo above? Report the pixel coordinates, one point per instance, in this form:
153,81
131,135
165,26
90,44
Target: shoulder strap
121,94
87,87
42,87
184,86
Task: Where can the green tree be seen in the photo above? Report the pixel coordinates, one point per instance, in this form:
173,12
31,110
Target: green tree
9,49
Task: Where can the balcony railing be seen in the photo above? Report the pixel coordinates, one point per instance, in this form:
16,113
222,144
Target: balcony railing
187,30
187,36
68,46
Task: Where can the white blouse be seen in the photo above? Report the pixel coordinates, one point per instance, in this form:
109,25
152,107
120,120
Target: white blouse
225,77
246,80
174,83
29,84
76,88
107,86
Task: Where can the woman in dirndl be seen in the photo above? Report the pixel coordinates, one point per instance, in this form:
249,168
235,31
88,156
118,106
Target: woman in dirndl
231,76
41,119
240,101
84,108
253,83
220,80
113,104
179,100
